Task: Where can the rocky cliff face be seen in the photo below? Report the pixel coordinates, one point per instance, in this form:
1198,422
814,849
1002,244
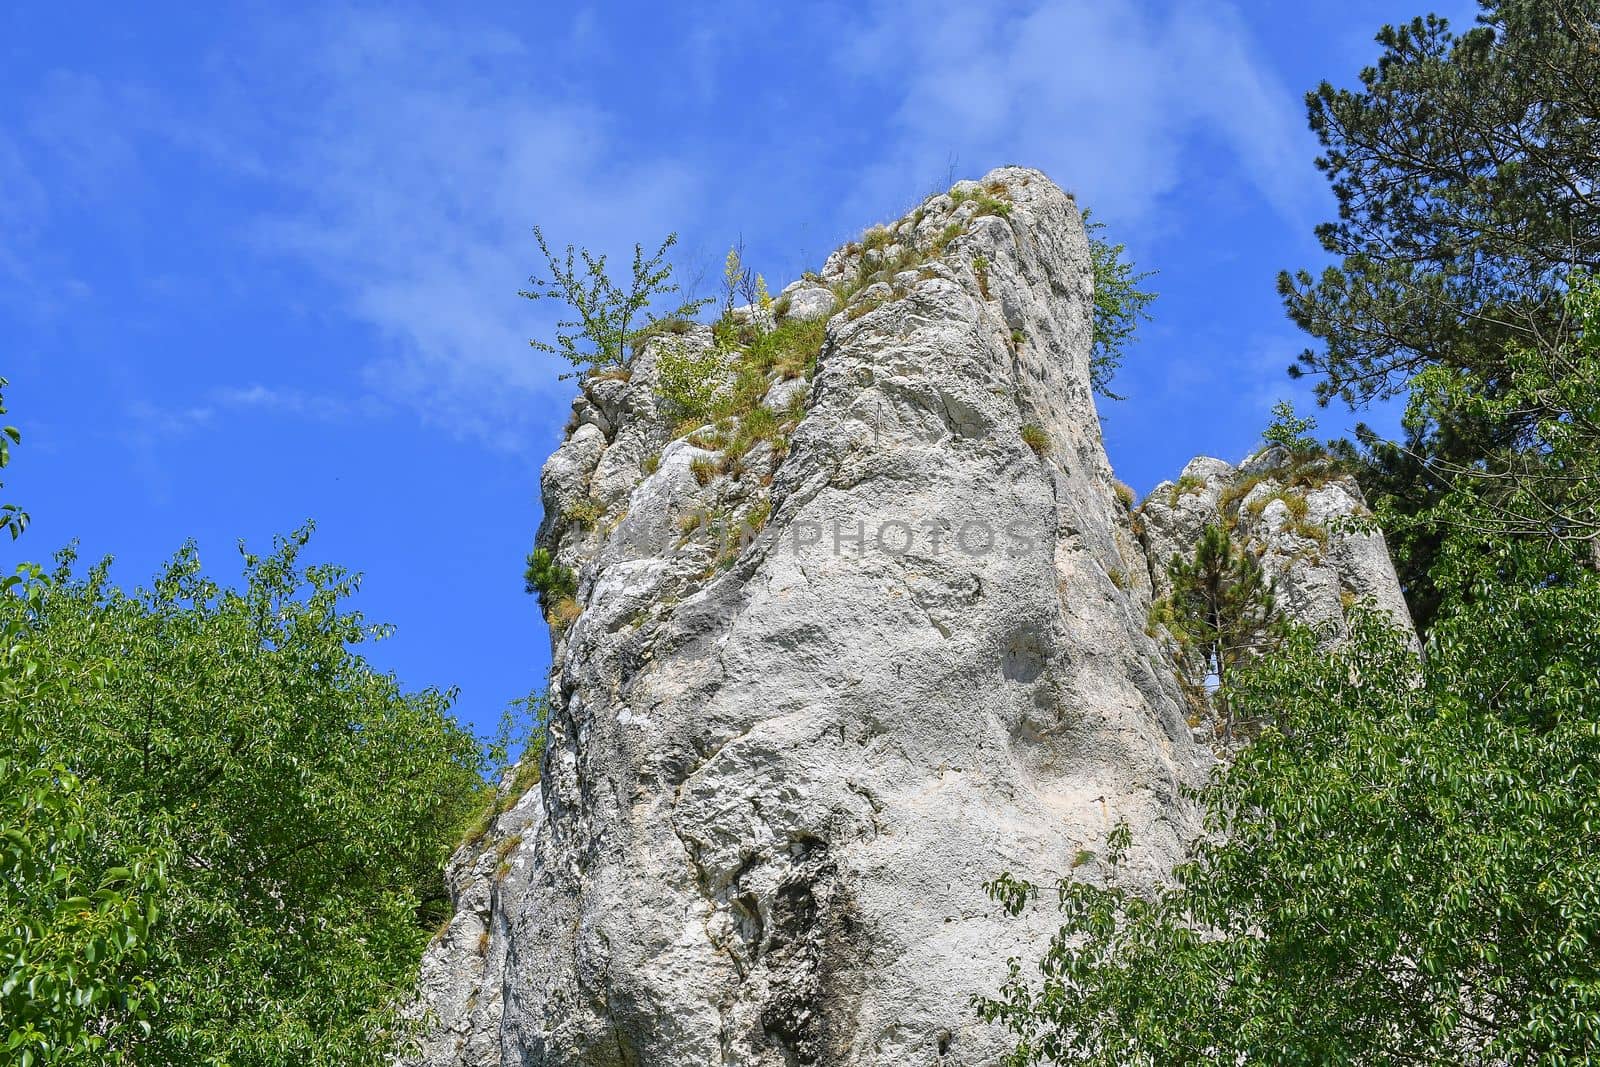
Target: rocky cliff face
1304,519
782,763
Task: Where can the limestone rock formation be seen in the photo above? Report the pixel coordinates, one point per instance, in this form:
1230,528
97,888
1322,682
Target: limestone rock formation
1300,516
833,662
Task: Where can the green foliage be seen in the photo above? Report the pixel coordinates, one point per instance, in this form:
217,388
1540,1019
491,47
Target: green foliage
1186,483
733,533
752,359
758,424
1290,432
548,578
78,893
1402,867
867,304
737,279
1463,165
301,804
941,241
877,237
729,380
791,348
1119,306
1545,484
989,200
1035,438
12,518
1298,506
611,320
1533,475
586,512
1222,610
689,378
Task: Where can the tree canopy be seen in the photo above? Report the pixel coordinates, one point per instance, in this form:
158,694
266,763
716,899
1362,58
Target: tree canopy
298,804
1403,865
1465,168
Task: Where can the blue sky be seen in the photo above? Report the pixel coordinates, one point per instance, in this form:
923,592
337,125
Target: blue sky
262,268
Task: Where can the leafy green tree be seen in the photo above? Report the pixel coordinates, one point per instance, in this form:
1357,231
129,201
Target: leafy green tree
611,320
12,518
1546,484
1221,611
1119,306
77,899
1403,867
689,378
1465,167
306,803
1289,431
1541,482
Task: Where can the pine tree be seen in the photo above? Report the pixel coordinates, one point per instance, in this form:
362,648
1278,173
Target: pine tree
1465,166
1222,609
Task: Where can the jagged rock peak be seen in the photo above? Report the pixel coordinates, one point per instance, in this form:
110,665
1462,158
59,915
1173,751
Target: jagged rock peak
1303,517
856,621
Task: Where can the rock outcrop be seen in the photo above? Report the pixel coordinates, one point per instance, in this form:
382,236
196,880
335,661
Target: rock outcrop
1304,519
830,664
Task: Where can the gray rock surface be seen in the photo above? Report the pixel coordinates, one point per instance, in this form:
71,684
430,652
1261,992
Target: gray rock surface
808,301
780,770
460,981
1307,522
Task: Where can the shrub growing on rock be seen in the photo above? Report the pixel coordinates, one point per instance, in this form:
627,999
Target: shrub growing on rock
611,319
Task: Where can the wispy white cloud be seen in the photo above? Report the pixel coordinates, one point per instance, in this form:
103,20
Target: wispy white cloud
1114,97
73,148
23,208
416,180
147,422
295,403
406,158
91,132
153,421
